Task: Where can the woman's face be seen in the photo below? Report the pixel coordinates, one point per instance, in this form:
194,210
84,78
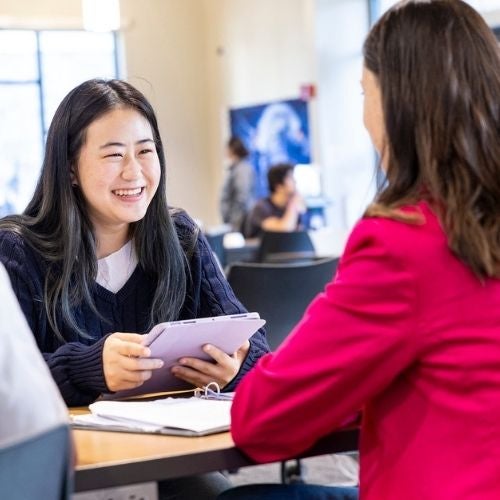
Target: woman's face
118,170
373,116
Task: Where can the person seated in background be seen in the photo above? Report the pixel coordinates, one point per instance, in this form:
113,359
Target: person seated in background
282,210
30,402
408,331
237,194
98,258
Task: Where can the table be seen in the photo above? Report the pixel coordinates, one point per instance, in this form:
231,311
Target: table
110,459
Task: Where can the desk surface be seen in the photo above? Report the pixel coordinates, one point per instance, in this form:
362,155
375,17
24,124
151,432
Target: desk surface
106,459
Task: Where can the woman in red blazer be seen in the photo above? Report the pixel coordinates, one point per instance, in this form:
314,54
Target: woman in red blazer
408,331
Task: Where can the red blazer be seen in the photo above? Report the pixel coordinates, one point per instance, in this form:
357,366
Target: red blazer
407,333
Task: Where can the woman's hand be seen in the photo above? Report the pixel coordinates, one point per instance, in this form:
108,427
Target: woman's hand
200,373
126,361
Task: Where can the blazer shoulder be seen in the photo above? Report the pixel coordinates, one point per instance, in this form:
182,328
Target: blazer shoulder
404,240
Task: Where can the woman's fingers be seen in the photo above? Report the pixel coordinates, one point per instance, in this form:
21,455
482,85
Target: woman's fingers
129,337
199,372
138,377
195,377
216,354
138,364
126,362
130,344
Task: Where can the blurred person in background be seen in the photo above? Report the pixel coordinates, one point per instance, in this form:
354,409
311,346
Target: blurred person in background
281,211
238,189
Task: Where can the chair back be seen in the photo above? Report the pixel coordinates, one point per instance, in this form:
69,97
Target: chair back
39,467
280,293
285,247
216,242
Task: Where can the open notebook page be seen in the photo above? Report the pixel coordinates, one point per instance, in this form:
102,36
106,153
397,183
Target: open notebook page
190,416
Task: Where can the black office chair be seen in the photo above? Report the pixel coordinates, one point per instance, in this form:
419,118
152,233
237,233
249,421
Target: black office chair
292,246
24,472
280,292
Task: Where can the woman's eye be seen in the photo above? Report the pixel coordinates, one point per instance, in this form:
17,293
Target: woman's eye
114,155
145,151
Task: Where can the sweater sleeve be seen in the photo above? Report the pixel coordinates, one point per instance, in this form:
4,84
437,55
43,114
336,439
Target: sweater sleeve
78,371
216,298
353,340
76,368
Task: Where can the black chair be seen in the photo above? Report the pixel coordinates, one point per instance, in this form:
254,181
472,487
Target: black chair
280,292
216,242
292,246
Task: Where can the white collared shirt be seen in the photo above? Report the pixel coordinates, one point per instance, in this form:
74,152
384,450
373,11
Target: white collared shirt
114,270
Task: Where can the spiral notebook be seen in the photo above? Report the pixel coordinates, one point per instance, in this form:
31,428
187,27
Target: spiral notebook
173,340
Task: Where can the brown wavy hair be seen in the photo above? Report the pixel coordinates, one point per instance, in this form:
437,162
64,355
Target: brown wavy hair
438,67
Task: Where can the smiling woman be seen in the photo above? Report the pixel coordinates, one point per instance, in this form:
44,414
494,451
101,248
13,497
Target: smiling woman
99,217
97,258
118,172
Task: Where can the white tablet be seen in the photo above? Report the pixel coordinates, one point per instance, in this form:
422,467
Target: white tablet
174,340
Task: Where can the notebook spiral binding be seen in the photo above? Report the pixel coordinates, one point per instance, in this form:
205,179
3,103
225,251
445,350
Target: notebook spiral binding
212,391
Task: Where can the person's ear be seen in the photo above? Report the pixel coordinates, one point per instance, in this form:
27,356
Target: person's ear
73,177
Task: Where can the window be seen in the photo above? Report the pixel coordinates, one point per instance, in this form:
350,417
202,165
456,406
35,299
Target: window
37,69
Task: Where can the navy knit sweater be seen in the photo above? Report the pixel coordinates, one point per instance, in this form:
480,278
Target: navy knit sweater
76,364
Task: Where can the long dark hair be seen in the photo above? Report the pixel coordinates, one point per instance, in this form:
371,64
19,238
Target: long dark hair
438,67
56,223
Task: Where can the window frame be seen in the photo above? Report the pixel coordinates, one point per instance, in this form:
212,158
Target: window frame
39,81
